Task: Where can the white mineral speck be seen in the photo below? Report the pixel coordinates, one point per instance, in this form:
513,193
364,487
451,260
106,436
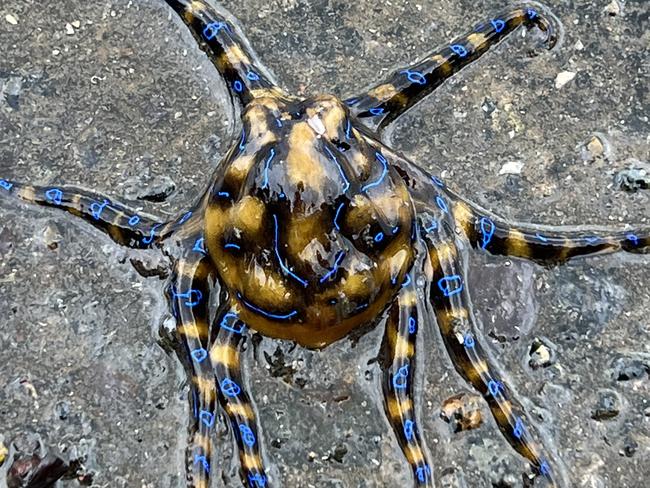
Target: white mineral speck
511,168
563,78
11,19
69,29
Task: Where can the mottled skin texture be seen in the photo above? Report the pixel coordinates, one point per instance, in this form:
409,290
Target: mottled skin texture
312,228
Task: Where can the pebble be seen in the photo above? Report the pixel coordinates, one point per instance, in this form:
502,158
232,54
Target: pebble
462,412
52,237
634,178
630,446
540,354
608,406
613,8
595,146
11,19
563,78
511,168
69,30
626,369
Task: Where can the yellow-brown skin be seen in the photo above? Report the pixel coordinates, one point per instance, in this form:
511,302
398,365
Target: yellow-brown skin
308,231
319,163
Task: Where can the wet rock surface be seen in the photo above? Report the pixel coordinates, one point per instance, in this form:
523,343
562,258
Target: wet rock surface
115,96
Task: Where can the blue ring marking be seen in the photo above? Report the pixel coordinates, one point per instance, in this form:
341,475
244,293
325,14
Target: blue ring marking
498,25
252,76
199,246
531,13
400,379
202,460
224,194
407,280
379,237
633,238
337,263
592,239
230,388
277,253
195,403
336,216
97,208
238,86
487,231
247,435
380,157
442,204
360,307
469,342
433,225
207,418
54,195
232,325
199,355
438,181
545,469
350,102
445,285
152,235
541,237
185,218
257,479
242,142
412,325
188,294
519,429
395,230
135,220
459,49
377,111
415,77
423,473
6,185
409,430
495,387
232,245
264,312
267,165
212,30
278,122
348,129
346,186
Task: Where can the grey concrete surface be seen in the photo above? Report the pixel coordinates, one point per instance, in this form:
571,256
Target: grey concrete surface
122,100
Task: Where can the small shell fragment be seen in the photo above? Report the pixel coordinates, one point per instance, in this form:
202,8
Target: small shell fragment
563,78
511,168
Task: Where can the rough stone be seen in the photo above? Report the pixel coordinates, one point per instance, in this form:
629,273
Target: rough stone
98,108
462,412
